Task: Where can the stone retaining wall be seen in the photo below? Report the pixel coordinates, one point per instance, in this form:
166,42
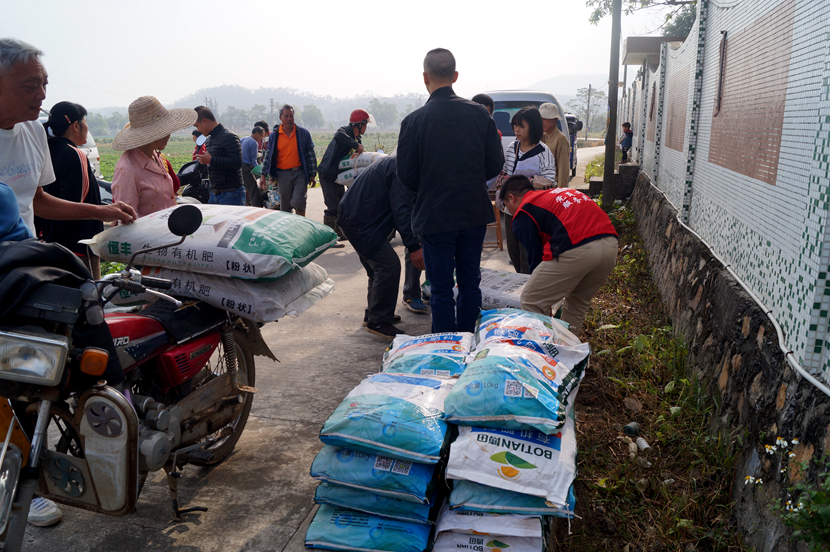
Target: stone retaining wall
734,351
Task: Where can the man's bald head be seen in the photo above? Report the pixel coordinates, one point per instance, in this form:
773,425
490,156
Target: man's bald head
439,64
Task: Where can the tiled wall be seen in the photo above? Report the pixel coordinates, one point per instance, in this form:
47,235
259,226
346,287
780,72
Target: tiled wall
758,189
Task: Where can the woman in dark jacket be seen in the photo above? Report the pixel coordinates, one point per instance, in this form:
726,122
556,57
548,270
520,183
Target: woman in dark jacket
74,181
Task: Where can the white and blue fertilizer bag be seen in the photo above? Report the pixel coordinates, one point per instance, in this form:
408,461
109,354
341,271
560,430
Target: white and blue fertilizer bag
399,479
343,529
371,503
499,324
522,461
395,415
474,497
479,523
513,385
439,354
454,542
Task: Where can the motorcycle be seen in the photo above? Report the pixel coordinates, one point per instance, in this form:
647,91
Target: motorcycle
189,385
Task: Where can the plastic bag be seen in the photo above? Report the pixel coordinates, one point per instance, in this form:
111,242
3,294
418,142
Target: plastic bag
441,354
263,301
372,503
479,523
238,242
400,479
512,387
395,415
342,529
360,160
474,497
501,290
453,542
500,324
522,461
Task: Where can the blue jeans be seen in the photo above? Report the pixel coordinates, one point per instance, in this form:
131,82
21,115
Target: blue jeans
231,197
458,251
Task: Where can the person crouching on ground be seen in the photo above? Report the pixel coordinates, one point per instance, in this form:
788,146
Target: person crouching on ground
571,247
346,139
374,205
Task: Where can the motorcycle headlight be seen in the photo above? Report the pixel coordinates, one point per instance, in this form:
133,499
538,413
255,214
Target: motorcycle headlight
33,358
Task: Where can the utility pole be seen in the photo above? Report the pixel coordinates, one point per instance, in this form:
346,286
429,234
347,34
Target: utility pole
608,184
588,112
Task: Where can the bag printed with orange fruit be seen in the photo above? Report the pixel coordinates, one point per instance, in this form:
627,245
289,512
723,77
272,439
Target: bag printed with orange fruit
522,461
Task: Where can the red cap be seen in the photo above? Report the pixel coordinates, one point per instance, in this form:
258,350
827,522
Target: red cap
359,116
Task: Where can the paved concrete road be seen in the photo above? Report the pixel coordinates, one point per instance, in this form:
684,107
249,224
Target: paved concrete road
585,156
260,497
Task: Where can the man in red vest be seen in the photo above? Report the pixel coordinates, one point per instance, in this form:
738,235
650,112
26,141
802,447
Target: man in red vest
571,246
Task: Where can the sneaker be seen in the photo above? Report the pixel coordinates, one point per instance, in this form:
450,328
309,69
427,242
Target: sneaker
415,305
383,330
396,318
43,512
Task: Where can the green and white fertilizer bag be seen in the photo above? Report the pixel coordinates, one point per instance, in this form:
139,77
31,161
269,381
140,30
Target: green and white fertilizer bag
396,415
480,523
360,160
260,301
372,503
515,387
342,529
237,242
453,542
522,461
474,497
501,324
401,479
346,178
441,354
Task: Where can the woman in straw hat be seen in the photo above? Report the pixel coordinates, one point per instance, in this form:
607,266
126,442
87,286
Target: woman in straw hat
141,177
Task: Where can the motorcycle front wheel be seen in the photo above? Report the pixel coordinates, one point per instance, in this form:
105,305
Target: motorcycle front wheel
230,433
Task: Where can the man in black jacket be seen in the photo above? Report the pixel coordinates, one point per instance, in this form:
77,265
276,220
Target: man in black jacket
346,139
447,150
223,158
374,205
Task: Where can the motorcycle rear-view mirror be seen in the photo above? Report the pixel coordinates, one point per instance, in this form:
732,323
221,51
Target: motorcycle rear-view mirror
201,140
185,220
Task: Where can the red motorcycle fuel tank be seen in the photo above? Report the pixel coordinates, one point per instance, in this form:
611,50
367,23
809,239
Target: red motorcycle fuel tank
136,338
181,363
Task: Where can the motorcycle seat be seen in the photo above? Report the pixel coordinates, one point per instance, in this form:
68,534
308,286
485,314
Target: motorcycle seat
188,321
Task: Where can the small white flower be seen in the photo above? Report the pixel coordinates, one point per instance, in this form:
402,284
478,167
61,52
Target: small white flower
781,441
795,441
800,505
749,479
759,481
791,455
783,470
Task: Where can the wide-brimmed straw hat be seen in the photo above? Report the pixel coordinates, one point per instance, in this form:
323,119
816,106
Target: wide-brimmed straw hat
149,121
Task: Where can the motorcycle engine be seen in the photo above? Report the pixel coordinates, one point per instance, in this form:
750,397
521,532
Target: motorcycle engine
159,432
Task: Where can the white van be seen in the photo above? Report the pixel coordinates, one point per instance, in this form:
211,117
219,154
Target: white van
508,102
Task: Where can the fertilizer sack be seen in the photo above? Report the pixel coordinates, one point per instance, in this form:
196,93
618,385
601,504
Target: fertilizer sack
479,523
441,354
264,301
238,242
501,324
396,415
528,462
474,497
342,529
399,479
372,503
455,542
512,387
500,290
346,178
360,160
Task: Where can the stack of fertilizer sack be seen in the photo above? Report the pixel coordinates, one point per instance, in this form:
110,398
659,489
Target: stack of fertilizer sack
385,446
509,387
499,289
249,261
515,455
353,165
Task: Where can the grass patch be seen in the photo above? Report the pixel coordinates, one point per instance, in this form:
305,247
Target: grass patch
677,493
597,166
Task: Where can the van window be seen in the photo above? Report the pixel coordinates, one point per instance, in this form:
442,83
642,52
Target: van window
505,110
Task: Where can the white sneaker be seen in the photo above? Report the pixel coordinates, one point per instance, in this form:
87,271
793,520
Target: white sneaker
43,512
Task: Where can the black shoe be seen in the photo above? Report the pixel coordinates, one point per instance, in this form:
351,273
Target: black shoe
337,245
383,330
396,318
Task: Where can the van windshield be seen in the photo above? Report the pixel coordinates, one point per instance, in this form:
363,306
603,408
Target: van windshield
505,110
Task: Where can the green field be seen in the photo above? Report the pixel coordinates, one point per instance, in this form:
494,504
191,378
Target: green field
180,149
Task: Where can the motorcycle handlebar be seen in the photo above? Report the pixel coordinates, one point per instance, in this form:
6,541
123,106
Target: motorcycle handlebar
158,283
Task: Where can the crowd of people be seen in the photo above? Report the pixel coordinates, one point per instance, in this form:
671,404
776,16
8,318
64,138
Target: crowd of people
436,192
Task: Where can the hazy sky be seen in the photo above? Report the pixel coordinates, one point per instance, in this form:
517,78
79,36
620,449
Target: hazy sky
104,53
